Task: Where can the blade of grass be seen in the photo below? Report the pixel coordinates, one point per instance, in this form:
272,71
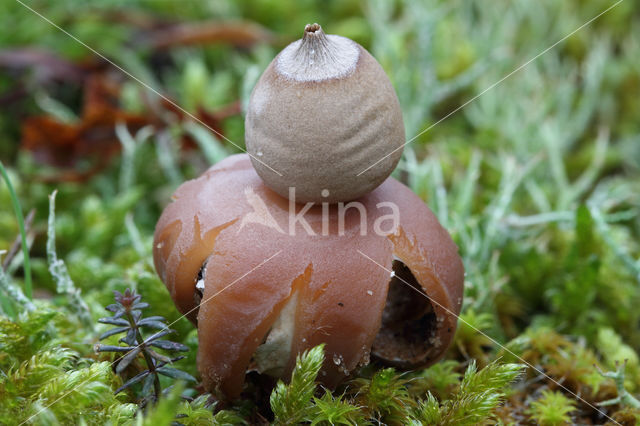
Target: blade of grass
23,235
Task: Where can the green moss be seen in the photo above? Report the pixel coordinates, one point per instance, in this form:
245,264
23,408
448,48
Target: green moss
552,409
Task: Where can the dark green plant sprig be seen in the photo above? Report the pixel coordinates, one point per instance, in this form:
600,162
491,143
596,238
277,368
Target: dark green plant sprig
127,318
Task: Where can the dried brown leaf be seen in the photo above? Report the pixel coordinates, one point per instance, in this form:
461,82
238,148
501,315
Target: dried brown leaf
236,33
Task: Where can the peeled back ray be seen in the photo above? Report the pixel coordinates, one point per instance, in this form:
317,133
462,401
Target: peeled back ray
322,112
318,289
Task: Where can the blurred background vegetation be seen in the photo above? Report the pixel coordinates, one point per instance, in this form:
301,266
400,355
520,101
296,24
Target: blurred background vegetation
538,181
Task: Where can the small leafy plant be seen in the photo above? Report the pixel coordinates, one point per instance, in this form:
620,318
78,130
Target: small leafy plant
552,409
127,318
386,396
290,403
478,395
295,402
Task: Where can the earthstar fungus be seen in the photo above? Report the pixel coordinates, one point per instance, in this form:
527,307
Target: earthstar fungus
265,278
